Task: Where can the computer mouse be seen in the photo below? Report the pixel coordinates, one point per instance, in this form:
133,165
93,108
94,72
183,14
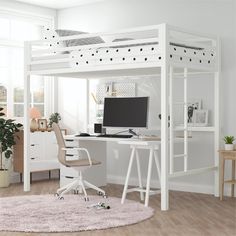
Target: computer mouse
84,134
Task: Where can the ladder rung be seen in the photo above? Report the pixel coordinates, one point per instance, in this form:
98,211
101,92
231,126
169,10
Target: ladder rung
182,136
180,155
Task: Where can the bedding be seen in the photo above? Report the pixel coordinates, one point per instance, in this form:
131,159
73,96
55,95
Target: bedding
129,54
138,53
77,42
55,34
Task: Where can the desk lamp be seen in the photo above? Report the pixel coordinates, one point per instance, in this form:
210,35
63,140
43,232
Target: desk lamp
34,114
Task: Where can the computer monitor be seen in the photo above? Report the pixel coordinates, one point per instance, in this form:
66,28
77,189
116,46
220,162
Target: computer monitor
125,112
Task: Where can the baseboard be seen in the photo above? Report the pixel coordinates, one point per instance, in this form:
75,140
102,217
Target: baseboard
176,186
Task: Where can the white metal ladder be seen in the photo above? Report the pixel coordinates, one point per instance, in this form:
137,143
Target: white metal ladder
172,128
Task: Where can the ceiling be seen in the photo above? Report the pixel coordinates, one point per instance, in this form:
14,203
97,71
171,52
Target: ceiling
58,4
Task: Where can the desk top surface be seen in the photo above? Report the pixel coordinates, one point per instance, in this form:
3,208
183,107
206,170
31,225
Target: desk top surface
140,141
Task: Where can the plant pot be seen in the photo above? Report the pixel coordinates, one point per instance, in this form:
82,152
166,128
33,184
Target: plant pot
229,147
4,178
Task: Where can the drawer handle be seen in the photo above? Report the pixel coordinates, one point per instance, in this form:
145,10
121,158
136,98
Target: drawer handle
69,155
32,145
32,158
69,177
69,140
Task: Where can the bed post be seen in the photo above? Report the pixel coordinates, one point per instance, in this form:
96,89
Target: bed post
185,119
217,87
163,34
171,121
27,49
87,105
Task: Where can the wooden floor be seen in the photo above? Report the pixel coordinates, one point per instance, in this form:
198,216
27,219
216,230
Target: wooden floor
190,214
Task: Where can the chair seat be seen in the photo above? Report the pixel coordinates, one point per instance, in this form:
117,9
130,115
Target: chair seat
82,162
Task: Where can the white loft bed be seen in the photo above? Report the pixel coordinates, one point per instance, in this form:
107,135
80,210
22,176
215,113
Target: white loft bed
162,50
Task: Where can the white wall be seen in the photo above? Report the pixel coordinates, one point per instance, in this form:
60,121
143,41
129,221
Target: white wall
208,16
21,8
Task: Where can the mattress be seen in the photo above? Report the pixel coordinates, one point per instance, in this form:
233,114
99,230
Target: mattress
140,53
130,54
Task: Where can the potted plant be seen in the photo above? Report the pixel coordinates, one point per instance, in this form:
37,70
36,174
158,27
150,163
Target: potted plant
54,118
7,135
229,143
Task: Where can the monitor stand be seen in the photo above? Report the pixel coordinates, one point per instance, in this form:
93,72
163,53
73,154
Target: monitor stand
132,132
129,131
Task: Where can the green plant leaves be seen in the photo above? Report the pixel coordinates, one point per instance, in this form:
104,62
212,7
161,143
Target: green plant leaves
229,139
54,118
7,139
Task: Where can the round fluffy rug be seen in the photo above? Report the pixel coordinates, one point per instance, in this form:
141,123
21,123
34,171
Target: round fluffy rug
45,213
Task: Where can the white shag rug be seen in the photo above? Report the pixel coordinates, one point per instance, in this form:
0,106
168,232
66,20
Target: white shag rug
45,213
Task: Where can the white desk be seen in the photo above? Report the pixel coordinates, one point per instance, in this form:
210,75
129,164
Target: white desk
97,147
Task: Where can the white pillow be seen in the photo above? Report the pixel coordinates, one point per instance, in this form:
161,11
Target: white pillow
77,42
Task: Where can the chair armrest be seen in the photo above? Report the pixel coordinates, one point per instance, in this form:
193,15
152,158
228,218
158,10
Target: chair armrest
80,149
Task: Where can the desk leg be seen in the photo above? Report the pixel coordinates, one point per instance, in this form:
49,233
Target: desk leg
222,168
149,177
127,176
139,175
157,165
233,178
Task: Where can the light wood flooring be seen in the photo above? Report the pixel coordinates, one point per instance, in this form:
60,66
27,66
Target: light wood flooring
190,214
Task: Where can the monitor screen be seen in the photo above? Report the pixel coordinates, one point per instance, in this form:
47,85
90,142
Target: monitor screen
129,112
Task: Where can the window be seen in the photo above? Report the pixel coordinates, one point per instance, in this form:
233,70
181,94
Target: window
12,35
3,98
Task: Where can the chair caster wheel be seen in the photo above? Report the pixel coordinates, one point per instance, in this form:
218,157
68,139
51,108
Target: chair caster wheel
86,199
56,195
105,196
99,193
76,191
61,198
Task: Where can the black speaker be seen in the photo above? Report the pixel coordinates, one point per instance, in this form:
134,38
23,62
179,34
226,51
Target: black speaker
98,128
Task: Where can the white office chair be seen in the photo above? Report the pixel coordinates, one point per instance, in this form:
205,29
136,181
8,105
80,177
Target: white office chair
80,165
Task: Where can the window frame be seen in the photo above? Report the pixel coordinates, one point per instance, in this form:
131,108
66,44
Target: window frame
50,83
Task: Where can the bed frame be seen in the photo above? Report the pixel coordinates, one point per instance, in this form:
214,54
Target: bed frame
179,54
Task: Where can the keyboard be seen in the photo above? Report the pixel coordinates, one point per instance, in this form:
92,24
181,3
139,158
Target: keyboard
115,135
